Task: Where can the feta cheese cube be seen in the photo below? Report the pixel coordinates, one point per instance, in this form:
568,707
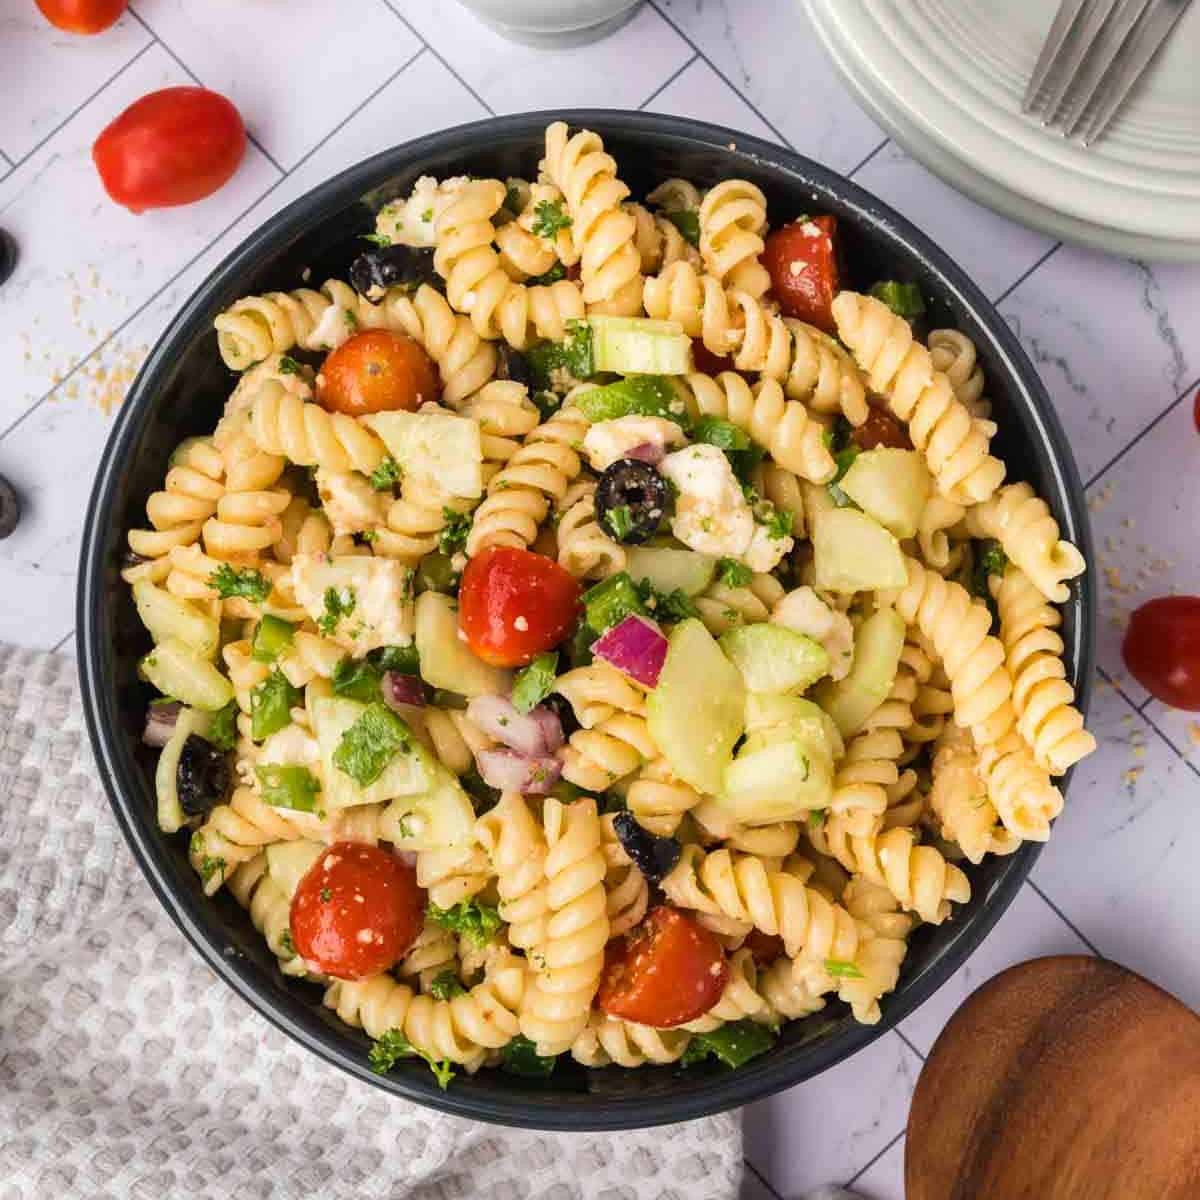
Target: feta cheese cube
608,441
378,592
351,503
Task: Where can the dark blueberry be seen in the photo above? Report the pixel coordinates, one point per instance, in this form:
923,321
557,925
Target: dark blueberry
392,266
631,500
202,777
8,254
513,365
653,856
562,709
10,508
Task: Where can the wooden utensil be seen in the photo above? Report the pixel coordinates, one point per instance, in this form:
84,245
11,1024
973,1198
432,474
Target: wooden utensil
1064,1078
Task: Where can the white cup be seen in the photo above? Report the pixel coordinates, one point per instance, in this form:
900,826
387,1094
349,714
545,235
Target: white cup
553,23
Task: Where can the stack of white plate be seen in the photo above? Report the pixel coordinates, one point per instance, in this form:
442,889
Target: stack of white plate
946,77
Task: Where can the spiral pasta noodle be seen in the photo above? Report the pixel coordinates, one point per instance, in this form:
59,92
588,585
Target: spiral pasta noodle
584,548
247,519
741,999
954,354
615,740
434,952
658,240
959,800
733,218
659,799
606,1040
234,833
722,607
517,849
900,369
268,905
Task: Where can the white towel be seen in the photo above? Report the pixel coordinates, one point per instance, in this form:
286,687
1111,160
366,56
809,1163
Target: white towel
128,1069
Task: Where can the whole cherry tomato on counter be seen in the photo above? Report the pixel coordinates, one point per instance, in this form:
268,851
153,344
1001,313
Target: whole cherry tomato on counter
170,147
802,261
356,911
1162,649
513,604
82,16
377,371
666,971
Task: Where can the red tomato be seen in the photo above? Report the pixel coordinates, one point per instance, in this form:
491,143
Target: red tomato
1196,410
765,947
802,261
707,361
356,911
881,429
82,16
513,604
1162,649
170,147
377,371
667,971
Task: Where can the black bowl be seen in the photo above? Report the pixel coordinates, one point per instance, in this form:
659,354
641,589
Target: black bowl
180,391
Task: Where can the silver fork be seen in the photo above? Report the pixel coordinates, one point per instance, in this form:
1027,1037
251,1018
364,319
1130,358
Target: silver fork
1095,52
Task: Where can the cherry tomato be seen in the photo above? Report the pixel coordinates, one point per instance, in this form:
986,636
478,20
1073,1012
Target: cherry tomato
377,371
707,361
881,429
802,261
82,16
170,147
765,947
356,911
1162,649
1196,410
667,971
513,604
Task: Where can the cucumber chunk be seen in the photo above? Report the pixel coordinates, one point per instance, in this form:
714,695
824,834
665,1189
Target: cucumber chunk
877,647
166,616
775,777
438,819
854,553
179,672
446,660
890,485
289,862
696,713
798,718
640,346
775,659
171,816
440,448
667,568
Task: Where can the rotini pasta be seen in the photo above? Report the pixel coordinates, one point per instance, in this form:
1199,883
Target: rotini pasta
733,218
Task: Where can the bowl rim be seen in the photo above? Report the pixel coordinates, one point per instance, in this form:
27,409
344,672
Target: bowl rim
99,694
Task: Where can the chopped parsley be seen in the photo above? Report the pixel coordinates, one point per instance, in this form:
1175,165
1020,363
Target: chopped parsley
619,521
669,607
326,895
734,442
549,218
209,864
289,366
778,521
556,272
687,221
992,557
904,299
556,366
351,318
454,534
271,705
427,215
371,743
520,1057
816,819
386,475
228,582
734,1044
844,460
734,574
338,604
840,969
535,682
222,727
286,945
478,923
387,1050
446,986
288,786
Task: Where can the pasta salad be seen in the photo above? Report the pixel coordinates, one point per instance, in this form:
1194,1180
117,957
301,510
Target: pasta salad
591,630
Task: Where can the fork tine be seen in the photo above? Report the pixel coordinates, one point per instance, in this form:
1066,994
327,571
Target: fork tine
1067,66
1064,21
1150,34
1098,62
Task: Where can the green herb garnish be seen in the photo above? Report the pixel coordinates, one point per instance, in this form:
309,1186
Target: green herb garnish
734,574
687,221
286,786
549,218
371,743
427,215
904,299
816,819
209,864
288,365
338,604
446,986
386,475
840,969
271,705
229,582
376,239
520,1057
556,272
453,537
387,1050
734,1044
669,607
638,395
535,682
619,521
478,923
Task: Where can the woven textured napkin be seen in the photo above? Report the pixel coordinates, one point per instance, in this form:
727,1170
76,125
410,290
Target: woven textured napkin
128,1069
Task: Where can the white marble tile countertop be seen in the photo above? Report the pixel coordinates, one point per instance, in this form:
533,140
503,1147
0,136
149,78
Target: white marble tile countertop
1117,342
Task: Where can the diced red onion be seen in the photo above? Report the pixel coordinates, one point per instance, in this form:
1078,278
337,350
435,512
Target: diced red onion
399,689
551,727
532,775
636,647
160,723
648,452
497,717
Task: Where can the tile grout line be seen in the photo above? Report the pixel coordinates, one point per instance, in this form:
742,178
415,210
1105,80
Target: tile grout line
4,158
202,252
1012,287
907,1041
653,4
761,1178
1166,412
1141,711
662,87
864,1169
855,170
435,52
1062,916
251,138
80,107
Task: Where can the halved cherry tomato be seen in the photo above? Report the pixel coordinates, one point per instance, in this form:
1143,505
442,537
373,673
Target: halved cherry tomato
82,16
513,604
707,361
377,371
667,971
765,947
356,911
881,429
802,261
170,147
1162,649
